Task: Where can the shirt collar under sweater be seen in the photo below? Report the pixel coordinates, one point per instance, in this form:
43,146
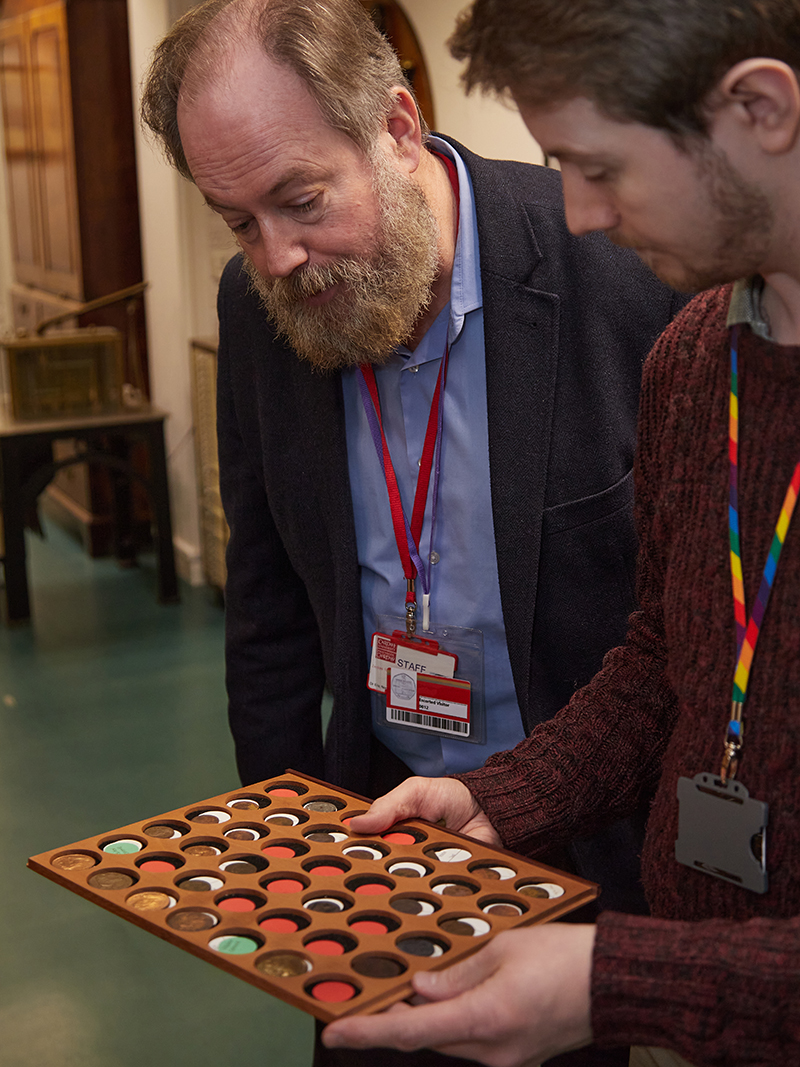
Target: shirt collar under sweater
745,306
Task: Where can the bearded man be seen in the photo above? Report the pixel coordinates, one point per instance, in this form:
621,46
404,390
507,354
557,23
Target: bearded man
372,255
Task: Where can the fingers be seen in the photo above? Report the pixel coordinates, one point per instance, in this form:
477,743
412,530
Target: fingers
426,798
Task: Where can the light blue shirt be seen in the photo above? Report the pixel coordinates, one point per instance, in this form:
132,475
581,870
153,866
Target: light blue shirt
465,590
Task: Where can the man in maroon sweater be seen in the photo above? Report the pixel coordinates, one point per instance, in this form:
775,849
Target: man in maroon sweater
677,127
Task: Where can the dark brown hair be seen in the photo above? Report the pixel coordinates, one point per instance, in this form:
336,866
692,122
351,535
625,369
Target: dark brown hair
651,61
347,65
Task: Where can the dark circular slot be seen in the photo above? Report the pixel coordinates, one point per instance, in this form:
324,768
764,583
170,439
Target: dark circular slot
448,853
502,907
365,850
204,848
465,926
122,846
378,965
285,818
415,905
112,879
284,922
246,832
192,920
285,883
422,945
285,789
404,835
370,885
332,991
244,864
324,804
166,831
329,943
247,802
200,882
283,964
492,872
372,923
208,816
158,863
74,861
325,867
327,902
280,849
240,902
326,835
151,900
409,868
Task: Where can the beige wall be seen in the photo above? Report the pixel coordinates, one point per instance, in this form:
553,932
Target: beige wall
186,246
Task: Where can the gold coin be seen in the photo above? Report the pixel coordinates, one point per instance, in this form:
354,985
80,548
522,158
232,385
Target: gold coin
73,861
201,850
283,965
533,891
192,920
151,901
320,805
160,831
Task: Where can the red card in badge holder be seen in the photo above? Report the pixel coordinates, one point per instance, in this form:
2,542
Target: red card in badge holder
428,702
419,655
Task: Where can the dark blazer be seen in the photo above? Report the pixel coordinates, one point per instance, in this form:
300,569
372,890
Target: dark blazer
568,323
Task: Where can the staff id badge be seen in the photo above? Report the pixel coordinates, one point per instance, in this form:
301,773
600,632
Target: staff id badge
432,684
722,831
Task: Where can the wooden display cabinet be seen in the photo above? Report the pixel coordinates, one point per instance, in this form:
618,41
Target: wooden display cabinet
68,119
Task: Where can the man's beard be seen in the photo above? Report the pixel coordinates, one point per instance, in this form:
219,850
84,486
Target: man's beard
380,296
741,226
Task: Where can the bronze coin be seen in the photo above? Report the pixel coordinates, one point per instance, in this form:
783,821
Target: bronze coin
206,819
73,861
377,967
457,889
406,872
111,880
244,805
488,872
201,850
240,835
283,965
150,901
320,805
160,831
356,853
456,926
502,909
192,920
326,839
240,867
281,820
534,891
407,906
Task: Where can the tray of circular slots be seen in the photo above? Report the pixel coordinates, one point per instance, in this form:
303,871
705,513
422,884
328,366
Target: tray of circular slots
269,883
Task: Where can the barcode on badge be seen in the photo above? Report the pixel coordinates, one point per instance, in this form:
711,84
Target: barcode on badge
427,722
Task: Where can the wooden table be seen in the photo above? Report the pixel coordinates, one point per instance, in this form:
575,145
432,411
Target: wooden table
27,467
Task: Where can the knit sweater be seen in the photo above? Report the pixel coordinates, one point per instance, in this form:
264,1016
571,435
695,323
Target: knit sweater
715,975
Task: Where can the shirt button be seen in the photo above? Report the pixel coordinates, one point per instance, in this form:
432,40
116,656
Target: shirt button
414,369
434,557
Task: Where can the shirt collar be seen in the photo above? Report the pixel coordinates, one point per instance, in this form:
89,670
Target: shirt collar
745,306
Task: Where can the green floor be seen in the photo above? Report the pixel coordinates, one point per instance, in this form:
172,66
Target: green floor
112,708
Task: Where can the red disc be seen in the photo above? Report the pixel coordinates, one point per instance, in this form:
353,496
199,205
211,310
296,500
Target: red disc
285,885
283,851
372,889
280,925
333,992
237,904
326,947
369,926
325,869
398,838
283,792
156,865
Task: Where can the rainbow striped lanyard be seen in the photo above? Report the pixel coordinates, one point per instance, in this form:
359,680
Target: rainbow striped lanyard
747,631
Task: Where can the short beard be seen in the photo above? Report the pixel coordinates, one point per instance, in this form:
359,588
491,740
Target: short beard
381,295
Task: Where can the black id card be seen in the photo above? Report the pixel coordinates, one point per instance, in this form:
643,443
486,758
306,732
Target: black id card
722,831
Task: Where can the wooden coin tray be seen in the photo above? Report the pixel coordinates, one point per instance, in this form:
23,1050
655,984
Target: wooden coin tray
232,880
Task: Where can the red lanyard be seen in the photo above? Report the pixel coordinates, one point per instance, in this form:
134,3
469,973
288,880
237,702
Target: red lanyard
408,537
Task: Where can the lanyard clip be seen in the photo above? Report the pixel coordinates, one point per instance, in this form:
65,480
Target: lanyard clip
733,744
411,607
